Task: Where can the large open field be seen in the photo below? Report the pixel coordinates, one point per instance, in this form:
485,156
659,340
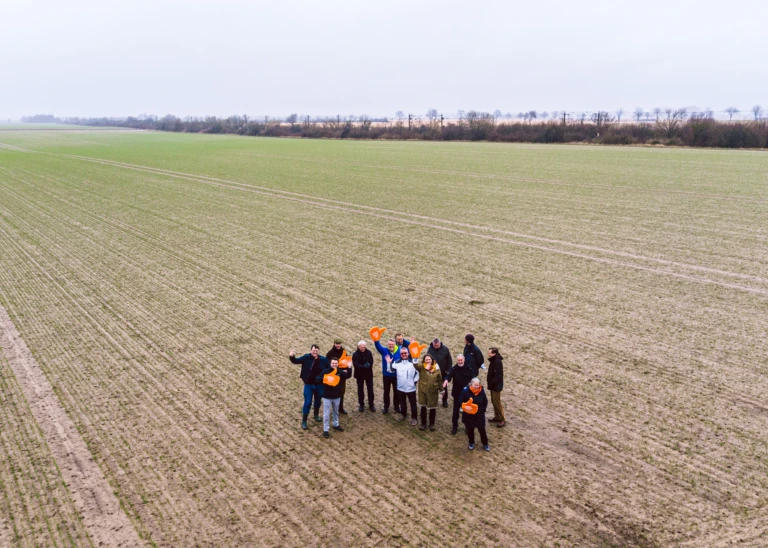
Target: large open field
160,280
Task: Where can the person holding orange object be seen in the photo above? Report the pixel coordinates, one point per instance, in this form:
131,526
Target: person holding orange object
389,376
407,379
331,377
474,402
459,375
337,351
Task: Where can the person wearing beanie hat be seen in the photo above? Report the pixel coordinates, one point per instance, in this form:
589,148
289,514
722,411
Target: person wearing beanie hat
337,351
472,355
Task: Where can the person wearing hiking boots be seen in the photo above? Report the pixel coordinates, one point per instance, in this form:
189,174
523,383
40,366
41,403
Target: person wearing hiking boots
459,375
337,351
442,357
389,377
472,355
311,366
474,402
407,377
430,385
495,382
331,378
362,359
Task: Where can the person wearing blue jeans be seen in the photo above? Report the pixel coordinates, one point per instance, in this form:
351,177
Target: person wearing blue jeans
312,365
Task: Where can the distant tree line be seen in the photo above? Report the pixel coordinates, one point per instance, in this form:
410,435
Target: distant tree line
40,119
659,127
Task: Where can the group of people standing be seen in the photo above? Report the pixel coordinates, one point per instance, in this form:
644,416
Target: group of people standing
408,381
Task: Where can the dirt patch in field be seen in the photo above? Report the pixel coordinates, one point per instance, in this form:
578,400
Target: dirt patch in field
101,513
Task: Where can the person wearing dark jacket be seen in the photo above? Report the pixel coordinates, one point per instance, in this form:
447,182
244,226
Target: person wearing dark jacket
332,394
459,375
336,352
495,382
472,355
442,357
311,366
362,360
474,402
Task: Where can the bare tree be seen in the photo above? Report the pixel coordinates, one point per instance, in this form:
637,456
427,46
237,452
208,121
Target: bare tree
757,110
497,114
400,115
602,119
544,115
674,118
555,114
432,114
731,111
657,112
531,115
462,114
508,116
619,114
582,117
639,114
292,118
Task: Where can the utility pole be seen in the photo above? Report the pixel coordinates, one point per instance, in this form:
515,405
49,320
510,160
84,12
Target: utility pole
564,115
441,120
409,121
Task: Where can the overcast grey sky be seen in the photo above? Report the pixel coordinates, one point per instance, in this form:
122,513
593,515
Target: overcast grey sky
107,58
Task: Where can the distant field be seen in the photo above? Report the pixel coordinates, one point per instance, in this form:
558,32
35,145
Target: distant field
160,280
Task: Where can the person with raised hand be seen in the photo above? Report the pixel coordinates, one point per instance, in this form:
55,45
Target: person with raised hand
311,366
440,353
389,376
407,377
337,351
459,375
331,378
362,359
474,402
430,386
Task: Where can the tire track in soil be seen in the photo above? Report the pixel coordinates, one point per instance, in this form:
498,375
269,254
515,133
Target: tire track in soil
396,504
210,433
157,379
102,515
389,213
393,216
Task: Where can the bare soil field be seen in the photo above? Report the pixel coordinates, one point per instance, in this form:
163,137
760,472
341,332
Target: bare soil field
159,281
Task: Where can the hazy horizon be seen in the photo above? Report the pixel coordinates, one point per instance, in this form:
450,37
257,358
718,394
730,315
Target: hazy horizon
88,59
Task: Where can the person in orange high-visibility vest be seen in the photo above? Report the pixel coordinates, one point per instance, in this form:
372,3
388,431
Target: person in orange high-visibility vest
474,402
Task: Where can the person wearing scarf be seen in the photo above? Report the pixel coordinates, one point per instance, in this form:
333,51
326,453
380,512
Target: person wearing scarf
474,402
430,386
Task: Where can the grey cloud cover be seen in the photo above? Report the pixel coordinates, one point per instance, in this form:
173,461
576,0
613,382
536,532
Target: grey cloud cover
88,58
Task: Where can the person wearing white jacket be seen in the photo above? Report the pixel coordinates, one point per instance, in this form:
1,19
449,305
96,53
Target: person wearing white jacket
407,377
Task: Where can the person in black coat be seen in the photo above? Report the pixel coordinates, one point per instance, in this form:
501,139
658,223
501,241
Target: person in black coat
459,375
336,352
472,355
362,360
474,402
442,357
311,366
495,382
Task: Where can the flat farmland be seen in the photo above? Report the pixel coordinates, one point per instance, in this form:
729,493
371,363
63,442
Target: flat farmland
160,280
